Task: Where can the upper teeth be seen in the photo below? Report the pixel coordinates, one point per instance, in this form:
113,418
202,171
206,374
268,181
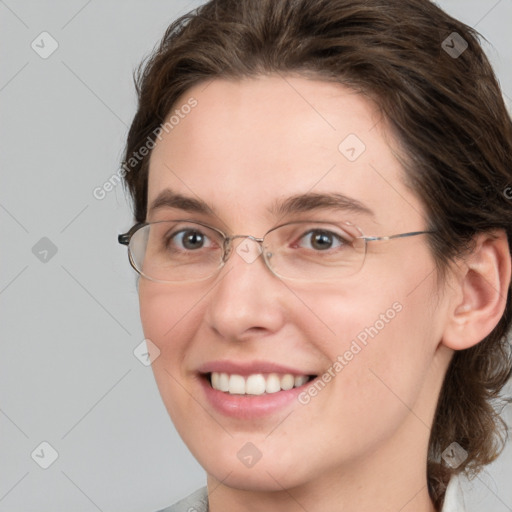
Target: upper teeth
256,384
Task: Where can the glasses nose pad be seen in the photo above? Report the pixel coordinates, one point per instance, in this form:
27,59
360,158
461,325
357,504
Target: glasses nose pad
249,249
360,247
227,250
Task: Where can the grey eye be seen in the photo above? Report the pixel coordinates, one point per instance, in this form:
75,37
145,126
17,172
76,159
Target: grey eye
188,239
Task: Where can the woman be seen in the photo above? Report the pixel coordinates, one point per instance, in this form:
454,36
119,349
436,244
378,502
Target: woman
322,234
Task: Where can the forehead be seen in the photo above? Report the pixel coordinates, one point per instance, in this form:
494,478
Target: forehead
248,144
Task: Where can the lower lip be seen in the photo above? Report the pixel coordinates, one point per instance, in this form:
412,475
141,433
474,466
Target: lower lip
249,406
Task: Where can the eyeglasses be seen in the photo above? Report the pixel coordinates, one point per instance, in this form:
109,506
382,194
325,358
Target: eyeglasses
173,251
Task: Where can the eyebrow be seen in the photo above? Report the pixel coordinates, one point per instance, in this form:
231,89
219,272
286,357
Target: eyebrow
299,203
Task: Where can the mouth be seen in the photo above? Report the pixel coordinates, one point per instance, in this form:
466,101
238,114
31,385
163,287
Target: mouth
255,384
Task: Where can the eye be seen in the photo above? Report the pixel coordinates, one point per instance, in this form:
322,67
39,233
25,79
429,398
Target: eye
187,239
322,240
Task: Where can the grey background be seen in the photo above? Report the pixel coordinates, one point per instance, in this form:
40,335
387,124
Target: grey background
69,325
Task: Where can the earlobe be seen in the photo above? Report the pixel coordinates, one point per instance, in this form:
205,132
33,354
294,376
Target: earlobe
483,281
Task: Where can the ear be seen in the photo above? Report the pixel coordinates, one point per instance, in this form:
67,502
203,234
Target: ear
483,280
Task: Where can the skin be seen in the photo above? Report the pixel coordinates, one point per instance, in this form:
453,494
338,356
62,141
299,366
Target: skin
361,443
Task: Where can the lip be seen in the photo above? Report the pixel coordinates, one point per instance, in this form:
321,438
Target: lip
249,406
248,368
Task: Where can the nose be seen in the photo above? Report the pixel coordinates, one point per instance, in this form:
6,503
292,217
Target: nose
246,299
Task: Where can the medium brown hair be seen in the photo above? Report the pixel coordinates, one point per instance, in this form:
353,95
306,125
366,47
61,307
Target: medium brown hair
446,110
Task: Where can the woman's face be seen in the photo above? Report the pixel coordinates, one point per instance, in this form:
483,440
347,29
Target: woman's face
372,338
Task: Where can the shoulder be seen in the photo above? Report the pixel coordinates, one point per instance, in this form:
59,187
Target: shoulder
195,502
454,498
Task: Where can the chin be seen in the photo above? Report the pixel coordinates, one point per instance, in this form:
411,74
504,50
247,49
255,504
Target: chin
259,478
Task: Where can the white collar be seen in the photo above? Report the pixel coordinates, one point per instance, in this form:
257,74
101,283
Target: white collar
454,497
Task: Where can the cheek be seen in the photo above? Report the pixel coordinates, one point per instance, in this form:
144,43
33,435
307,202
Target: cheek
166,315
380,355
169,319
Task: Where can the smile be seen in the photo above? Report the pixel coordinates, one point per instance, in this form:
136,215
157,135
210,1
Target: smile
257,383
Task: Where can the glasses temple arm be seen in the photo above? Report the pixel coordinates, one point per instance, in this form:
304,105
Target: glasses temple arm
124,238
391,237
